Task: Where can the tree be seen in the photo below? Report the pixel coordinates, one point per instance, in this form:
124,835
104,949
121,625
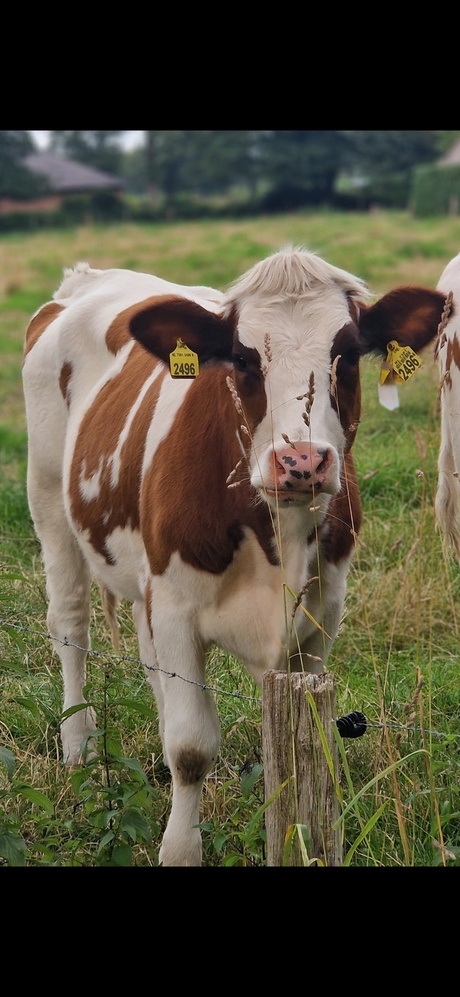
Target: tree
384,162
220,159
302,166
198,161
380,153
15,180
98,149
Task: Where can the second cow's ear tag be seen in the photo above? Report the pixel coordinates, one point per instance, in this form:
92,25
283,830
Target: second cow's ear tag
403,361
183,362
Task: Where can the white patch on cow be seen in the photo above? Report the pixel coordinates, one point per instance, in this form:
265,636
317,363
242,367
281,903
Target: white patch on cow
115,459
125,577
90,486
170,399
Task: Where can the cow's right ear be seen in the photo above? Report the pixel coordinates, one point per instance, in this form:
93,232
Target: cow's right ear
160,323
410,315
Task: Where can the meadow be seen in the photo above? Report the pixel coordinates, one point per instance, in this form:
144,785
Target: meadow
396,657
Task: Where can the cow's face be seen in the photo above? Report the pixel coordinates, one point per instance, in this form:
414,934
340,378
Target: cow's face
296,373
297,329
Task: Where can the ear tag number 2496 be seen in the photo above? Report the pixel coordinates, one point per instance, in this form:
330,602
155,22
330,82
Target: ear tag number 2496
183,362
401,363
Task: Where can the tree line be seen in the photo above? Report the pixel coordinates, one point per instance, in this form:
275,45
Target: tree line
284,169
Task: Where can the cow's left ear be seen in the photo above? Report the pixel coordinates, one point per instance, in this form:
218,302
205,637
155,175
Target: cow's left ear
160,323
410,315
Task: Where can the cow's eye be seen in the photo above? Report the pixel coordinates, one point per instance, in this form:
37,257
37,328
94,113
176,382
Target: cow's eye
239,362
351,356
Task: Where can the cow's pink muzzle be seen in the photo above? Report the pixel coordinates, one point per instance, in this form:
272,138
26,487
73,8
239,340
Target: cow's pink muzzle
299,471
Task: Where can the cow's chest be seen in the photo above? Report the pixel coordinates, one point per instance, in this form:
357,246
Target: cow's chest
248,610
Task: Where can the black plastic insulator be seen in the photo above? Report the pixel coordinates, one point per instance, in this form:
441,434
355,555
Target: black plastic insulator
352,724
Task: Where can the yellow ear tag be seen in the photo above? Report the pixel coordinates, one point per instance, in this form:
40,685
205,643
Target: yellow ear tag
400,364
183,362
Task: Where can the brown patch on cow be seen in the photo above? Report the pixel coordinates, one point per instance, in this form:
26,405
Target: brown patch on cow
249,383
64,378
186,504
118,333
191,766
344,516
100,429
346,389
452,357
39,323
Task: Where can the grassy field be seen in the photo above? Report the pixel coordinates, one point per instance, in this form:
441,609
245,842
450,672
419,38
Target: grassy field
396,657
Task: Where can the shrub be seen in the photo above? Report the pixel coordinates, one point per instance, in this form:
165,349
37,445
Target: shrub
435,191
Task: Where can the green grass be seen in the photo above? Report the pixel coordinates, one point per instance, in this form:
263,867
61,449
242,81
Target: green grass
400,625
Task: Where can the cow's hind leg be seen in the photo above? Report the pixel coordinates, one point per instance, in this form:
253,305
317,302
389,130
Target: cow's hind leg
149,660
68,590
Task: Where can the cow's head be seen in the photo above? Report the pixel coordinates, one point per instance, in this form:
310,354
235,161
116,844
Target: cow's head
294,329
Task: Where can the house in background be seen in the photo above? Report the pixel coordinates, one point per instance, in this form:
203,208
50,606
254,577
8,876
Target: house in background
64,177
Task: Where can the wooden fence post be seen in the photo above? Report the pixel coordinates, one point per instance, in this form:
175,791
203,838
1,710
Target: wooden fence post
292,750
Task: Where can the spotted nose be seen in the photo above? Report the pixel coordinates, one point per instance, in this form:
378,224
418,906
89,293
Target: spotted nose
301,469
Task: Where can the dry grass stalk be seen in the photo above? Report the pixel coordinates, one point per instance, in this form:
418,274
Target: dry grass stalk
309,400
334,377
421,445
302,592
267,347
234,472
235,395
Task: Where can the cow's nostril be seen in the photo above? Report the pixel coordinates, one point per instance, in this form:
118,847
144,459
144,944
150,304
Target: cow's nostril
324,464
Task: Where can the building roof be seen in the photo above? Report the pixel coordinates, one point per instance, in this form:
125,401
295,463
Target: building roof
65,176
452,157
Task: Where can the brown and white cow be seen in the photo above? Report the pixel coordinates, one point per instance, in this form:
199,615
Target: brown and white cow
448,351
215,504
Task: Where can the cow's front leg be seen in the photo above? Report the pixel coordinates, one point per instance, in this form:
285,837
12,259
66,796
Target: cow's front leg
191,734
325,604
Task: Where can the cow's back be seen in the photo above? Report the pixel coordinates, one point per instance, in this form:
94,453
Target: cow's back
77,343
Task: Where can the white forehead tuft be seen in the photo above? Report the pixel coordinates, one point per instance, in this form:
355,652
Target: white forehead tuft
298,302
292,272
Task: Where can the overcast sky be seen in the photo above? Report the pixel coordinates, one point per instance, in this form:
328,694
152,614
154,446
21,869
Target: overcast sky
129,140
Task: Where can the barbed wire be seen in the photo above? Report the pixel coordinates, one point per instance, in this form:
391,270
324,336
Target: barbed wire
202,685
130,658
